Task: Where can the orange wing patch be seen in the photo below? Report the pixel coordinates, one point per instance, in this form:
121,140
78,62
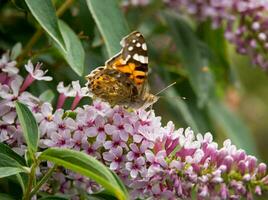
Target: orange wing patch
135,72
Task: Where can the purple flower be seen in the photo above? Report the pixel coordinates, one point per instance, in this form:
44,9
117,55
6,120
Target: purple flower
115,142
98,129
45,119
8,68
154,160
92,148
245,23
62,139
120,126
135,167
115,157
127,3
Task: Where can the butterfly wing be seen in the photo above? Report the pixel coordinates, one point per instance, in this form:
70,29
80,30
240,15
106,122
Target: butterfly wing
112,86
132,60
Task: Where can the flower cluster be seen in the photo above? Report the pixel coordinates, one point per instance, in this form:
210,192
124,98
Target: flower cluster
245,23
135,3
153,160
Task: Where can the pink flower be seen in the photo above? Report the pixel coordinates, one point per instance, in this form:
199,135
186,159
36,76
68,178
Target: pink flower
34,74
8,66
63,124
6,131
137,152
98,129
135,167
63,140
120,126
79,138
115,142
79,93
157,162
114,157
92,149
154,161
64,93
45,119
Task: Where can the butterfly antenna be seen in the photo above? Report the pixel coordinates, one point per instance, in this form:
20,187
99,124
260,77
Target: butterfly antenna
165,88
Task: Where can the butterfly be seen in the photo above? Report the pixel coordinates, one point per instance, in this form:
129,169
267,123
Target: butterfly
123,79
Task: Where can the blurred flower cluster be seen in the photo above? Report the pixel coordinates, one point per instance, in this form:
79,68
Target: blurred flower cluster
245,22
153,160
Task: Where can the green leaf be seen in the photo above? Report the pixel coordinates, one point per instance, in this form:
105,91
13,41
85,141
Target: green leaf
7,161
6,197
22,179
74,54
47,96
16,50
45,14
102,195
29,127
5,149
87,166
196,65
233,127
11,159
218,54
180,105
110,21
8,171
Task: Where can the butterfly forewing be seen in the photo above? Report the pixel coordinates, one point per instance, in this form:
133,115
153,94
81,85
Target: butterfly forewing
123,79
133,59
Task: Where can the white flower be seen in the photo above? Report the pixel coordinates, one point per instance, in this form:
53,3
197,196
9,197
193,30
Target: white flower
36,72
8,66
67,91
77,90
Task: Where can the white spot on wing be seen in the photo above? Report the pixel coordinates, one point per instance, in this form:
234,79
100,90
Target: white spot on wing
130,48
146,60
138,34
144,46
136,57
133,41
140,58
138,44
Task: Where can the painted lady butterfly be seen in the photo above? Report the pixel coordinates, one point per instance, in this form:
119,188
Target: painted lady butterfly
123,79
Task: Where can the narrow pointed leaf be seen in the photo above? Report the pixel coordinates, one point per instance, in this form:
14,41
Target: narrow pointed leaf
74,54
189,51
45,14
5,149
29,127
8,171
110,21
87,166
7,161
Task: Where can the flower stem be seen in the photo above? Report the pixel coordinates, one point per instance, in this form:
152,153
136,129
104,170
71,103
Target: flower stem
39,31
64,7
43,180
27,196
